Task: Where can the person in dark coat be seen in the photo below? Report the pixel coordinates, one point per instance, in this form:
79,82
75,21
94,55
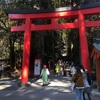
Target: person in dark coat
77,78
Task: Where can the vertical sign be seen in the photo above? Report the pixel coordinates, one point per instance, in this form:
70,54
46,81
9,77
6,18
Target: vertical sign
37,67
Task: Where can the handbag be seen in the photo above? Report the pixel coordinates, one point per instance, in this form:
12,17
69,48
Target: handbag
87,89
47,71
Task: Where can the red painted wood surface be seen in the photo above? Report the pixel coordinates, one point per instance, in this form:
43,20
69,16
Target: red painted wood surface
55,26
83,43
98,71
64,14
26,51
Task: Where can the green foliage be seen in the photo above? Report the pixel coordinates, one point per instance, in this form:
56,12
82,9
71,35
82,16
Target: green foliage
4,29
61,40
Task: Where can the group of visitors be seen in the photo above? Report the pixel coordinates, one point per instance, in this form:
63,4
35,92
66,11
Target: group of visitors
82,82
61,68
80,78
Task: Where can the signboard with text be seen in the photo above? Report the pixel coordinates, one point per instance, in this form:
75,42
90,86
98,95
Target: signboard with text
37,67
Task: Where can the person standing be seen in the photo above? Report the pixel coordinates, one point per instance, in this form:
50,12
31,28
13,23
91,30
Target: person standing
77,78
58,69
87,84
72,69
44,74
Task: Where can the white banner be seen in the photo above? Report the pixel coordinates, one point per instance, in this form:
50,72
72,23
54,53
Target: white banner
37,67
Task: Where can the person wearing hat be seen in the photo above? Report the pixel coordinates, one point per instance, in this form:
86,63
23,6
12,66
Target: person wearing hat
44,74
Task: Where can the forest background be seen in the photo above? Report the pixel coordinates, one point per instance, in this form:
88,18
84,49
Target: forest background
45,45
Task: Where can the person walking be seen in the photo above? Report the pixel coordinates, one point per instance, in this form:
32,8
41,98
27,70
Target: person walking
44,74
77,78
58,69
87,84
72,69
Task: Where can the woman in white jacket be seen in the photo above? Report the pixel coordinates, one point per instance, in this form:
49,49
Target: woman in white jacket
87,87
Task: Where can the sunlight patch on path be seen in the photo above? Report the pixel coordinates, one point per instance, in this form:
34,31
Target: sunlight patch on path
2,87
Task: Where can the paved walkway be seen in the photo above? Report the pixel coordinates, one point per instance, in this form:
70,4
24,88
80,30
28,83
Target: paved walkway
58,89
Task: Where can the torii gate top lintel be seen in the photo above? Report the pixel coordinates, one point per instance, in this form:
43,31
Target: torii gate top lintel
52,14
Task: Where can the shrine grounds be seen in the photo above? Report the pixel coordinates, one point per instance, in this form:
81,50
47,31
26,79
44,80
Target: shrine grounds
58,89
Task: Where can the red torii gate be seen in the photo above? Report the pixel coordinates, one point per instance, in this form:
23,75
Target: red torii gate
81,23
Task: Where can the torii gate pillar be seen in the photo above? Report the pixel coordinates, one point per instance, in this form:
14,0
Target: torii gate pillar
83,43
26,51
